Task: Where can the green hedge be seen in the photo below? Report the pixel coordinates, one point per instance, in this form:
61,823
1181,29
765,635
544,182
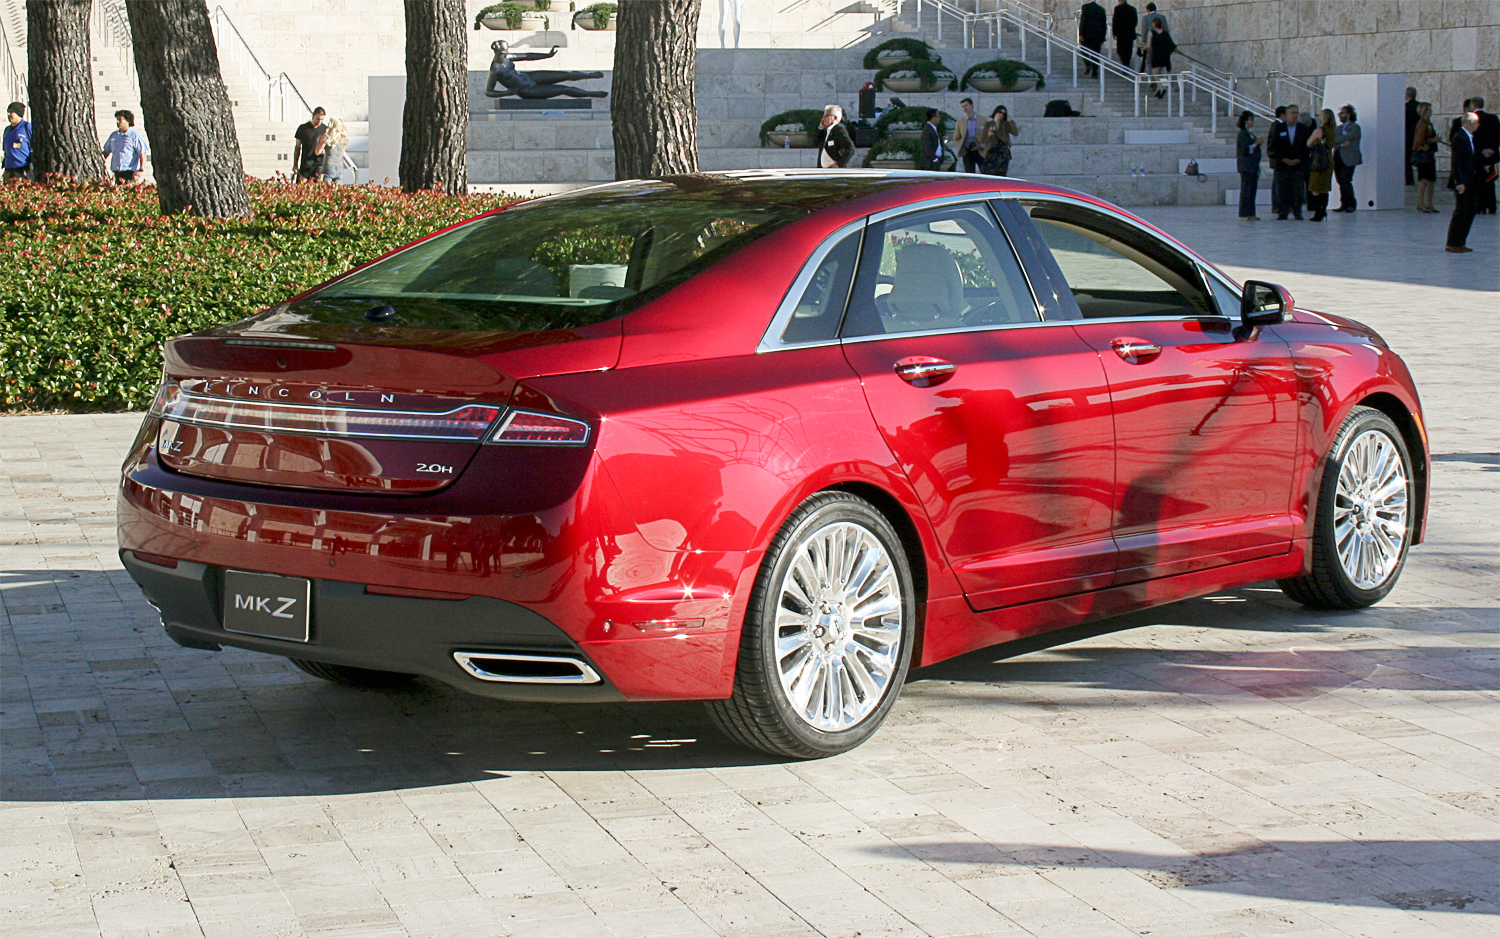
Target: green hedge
95,279
926,69
915,48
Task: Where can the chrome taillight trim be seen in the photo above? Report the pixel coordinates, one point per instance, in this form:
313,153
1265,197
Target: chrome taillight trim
202,410
494,436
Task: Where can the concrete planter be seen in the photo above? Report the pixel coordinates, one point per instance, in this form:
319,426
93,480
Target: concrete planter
995,86
918,84
795,141
893,164
534,21
892,56
585,20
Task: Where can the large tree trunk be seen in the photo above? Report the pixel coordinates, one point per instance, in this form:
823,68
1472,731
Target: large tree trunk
654,110
60,84
435,124
194,149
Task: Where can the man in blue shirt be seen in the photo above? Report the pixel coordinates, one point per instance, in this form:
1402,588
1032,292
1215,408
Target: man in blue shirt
17,143
127,150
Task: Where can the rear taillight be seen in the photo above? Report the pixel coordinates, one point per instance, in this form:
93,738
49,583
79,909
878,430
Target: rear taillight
467,423
536,429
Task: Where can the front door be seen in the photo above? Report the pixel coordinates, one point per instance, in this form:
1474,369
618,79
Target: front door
1205,412
1001,422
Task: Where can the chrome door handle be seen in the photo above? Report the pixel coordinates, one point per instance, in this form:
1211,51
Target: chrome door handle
923,371
1135,351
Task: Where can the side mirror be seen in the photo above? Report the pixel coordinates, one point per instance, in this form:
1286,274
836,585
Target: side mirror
1264,304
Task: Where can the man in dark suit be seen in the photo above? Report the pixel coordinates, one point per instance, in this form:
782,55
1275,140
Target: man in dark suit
932,143
1462,181
1286,146
1411,132
1122,27
1093,29
1277,123
1487,155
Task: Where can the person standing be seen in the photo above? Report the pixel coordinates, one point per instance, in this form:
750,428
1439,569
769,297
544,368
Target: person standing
17,142
1346,157
965,139
932,143
1411,129
334,146
1287,149
1247,158
1423,158
994,142
307,154
126,149
1277,123
1122,26
1093,29
1320,165
1461,181
834,145
1146,22
1487,139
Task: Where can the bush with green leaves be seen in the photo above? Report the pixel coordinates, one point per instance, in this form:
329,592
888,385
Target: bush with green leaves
897,119
97,278
599,13
1008,71
932,73
896,148
795,121
914,48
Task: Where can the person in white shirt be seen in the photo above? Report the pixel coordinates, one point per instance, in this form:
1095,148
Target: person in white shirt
834,145
127,150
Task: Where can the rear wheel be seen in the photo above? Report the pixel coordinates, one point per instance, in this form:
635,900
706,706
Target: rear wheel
828,633
352,677
1363,524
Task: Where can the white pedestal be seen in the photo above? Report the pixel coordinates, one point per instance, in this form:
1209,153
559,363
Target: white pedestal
1380,102
387,107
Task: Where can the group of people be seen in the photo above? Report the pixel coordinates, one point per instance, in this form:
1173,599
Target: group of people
318,153
1145,37
126,147
976,144
1306,159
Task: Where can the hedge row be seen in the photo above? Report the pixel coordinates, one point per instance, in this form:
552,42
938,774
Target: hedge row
93,279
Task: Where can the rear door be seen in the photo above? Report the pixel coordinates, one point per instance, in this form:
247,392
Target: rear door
1205,413
1001,421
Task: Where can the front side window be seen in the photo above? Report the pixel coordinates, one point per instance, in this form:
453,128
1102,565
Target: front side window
1117,271
938,269
556,263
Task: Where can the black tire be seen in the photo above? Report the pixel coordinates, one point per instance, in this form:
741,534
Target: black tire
760,715
1328,585
352,677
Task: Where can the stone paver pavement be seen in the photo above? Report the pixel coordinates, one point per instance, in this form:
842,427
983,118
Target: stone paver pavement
1229,766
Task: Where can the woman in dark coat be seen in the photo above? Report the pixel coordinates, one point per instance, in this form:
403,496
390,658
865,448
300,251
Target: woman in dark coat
1159,49
1247,158
834,146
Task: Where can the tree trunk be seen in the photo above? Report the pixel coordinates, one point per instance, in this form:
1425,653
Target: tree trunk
60,84
194,149
435,123
654,109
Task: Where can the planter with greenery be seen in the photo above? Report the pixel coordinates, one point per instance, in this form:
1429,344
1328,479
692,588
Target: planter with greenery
894,153
507,15
795,128
999,75
100,278
906,123
597,16
898,49
911,75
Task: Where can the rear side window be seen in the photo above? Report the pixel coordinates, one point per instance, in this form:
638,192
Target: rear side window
553,264
1117,271
938,269
821,305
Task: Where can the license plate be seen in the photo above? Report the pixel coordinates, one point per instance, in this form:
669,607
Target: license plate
267,605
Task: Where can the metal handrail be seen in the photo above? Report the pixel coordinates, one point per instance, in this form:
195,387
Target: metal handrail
1275,79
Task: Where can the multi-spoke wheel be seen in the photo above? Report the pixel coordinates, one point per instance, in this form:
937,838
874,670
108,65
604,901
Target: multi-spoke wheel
827,636
1364,518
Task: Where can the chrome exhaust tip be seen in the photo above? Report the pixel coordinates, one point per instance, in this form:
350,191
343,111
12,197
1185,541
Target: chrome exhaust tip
510,668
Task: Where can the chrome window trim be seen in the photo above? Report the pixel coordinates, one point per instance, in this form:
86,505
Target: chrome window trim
771,340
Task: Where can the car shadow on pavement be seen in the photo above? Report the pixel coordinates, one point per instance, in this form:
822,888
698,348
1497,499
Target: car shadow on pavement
1413,875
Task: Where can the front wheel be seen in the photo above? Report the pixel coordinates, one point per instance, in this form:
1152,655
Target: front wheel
1363,526
828,633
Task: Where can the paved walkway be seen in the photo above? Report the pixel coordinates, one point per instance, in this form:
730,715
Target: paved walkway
1229,766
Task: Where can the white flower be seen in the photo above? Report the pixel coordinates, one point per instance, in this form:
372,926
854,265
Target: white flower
789,129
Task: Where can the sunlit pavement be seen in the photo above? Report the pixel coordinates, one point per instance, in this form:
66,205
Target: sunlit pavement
1229,766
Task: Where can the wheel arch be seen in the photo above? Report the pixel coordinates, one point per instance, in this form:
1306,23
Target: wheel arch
1413,434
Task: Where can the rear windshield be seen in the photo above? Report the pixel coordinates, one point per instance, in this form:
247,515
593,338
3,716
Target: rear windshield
558,263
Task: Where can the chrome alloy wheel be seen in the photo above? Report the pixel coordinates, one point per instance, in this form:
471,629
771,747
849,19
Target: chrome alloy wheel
838,626
1370,510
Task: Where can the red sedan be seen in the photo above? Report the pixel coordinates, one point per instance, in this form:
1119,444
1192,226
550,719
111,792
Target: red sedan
762,439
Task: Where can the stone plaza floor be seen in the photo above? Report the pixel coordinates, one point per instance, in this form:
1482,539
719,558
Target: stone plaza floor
1230,766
